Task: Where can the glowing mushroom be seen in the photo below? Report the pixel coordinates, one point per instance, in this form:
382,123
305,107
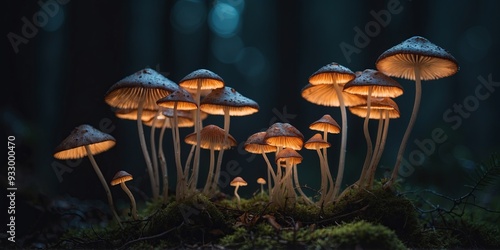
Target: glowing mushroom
120,178
83,141
178,100
198,81
256,144
213,138
415,59
237,182
228,102
140,91
262,182
372,83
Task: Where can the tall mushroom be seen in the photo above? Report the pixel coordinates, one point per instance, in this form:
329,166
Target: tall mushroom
228,102
212,138
335,75
83,141
178,100
120,178
140,91
198,81
415,59
382,109
372,83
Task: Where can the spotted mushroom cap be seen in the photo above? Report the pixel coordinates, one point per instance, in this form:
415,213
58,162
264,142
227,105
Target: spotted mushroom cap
207,79
381,85
228,98
181,97
401,60
316,142
332,73
73,147
378,108
127,92
326,95
284,135
256,144
326,122
238,181
288,155
120,177
211,136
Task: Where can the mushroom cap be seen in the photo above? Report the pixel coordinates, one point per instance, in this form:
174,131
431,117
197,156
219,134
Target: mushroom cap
284,135
207,78
226,97
256,144
261,180
401,60
185,118
183,99
120,177
183,122
316,142
127,92
211,136
326,95
378,106
131,114
289,155
330,74
326,122
73,147
381,84
238,181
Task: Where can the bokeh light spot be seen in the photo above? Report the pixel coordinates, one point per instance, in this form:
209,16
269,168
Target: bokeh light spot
224,20
251,61
188,15
226,49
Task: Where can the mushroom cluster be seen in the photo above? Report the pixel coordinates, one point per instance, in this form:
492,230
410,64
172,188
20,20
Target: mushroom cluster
153,100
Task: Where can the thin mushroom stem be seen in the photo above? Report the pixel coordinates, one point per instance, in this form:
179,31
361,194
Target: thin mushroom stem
181,181
197,129
366,132
331,183
221,152
154,158
375,150
343,144
381,147
104,184
142,141
324,180
163,162
413,118
297,184
188,164
132,200
236,194
208,183
270,171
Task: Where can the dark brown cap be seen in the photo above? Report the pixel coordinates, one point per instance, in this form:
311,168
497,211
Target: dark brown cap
226,97
381,84
73,147
207,79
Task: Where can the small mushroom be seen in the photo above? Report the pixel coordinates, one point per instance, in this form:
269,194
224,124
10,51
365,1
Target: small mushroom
262,182
237,182
120,178
255,144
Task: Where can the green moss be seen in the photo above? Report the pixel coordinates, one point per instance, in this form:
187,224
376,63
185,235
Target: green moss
262,236
379,206
359,235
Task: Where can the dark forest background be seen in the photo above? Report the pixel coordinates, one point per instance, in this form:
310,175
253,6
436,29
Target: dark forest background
56,73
